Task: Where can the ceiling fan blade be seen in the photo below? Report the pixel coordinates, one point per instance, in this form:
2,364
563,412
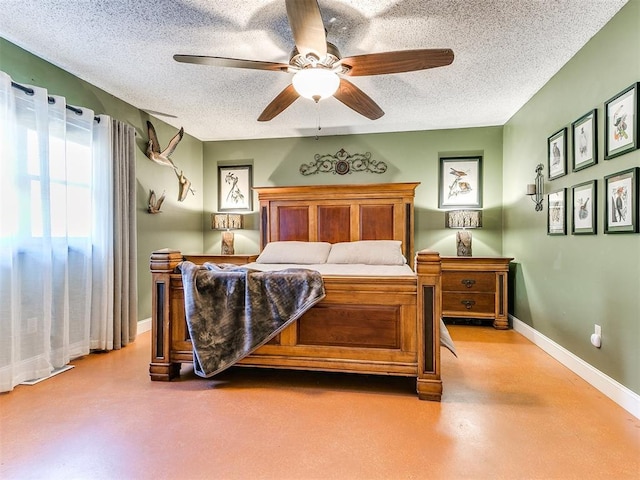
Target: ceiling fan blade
307,27
397,62
357,100
231,62
285,98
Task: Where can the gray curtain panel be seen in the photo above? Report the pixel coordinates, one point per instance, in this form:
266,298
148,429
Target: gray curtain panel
125,308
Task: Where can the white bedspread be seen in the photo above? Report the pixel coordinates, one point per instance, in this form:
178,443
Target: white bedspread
342,269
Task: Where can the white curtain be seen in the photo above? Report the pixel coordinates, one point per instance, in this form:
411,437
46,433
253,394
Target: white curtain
56,233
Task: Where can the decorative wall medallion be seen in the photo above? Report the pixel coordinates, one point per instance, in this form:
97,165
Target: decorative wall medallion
342,163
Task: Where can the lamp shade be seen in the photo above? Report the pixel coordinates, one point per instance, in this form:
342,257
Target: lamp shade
226,221
316,83
463,219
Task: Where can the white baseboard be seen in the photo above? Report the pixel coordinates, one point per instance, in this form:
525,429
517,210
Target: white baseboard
617,392
144,325
55,372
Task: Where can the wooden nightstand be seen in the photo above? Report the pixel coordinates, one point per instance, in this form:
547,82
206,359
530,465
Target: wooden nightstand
234,259
476,287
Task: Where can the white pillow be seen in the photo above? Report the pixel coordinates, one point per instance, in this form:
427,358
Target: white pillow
307,253
369,252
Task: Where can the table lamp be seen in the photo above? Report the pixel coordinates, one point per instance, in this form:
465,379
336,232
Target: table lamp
463,220
227,222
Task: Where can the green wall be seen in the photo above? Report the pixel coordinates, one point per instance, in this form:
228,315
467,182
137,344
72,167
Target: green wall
180,224
410,157
566,284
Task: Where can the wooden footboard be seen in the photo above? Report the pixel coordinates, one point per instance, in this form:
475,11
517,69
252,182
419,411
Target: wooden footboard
375,325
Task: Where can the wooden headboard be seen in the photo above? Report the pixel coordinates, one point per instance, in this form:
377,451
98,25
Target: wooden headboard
338,213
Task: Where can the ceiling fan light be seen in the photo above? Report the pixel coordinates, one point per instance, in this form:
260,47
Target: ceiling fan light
316,83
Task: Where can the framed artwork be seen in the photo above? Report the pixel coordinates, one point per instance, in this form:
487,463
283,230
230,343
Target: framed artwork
585,141
621,202
621,123
234,188
460,182
584,208
557,214
557,154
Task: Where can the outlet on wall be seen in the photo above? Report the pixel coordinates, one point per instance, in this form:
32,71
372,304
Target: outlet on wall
596,338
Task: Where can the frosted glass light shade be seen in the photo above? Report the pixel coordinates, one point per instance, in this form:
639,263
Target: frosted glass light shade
316,83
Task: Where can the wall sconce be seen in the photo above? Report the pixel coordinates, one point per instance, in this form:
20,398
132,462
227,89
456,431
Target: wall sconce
536,190
226,222
463,219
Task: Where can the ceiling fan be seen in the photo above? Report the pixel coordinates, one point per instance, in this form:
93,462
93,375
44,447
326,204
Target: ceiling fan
319,69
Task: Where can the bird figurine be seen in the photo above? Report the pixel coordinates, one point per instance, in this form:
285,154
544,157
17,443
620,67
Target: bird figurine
161,157
155,204
185,187
153,147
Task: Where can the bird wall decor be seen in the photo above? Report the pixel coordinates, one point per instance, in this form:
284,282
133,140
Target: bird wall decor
155,204
161,157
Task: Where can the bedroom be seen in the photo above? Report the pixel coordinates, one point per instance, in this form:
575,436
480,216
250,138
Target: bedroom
603,290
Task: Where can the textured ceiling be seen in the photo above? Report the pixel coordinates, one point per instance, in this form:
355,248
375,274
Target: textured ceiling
505,50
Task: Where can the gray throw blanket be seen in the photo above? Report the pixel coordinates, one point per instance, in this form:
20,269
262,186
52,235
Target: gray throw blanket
232,310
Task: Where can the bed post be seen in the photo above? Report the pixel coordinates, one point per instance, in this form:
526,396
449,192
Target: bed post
428,269
162,264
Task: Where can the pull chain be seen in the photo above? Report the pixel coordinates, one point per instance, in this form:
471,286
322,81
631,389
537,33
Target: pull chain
318,120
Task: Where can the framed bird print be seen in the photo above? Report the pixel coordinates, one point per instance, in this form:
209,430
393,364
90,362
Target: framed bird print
621,121
557,214
584,208
621,202
460,182
557,154
234,188
585,141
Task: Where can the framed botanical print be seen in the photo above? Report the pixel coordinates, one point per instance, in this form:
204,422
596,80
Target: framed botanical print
234,188
557,154
584,208
460,182
621,123
557,213
585,141
621,202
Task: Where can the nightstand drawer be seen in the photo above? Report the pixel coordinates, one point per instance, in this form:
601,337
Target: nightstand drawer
468,304
469,281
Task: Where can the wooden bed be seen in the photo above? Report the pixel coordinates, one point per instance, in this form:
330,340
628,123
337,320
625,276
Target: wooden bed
372,325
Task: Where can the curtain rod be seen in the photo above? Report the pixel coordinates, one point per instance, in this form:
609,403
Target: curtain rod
29,91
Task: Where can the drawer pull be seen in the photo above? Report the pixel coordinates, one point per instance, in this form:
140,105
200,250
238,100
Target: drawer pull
468,304
468,282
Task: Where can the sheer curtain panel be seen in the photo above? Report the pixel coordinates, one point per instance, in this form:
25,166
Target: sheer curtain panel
56,233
